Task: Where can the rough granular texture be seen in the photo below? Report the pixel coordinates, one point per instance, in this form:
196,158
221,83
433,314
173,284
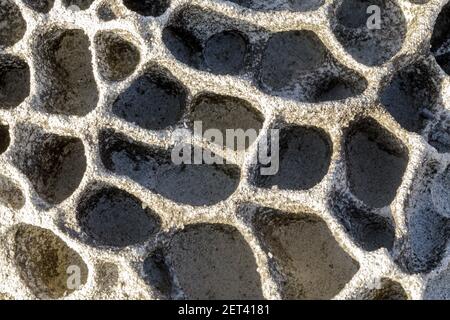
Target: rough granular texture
93,207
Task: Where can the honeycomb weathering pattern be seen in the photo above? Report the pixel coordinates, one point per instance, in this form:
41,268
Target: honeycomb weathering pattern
360,208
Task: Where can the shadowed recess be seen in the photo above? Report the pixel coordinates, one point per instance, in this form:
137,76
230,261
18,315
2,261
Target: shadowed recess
225,52
10,194
290,5
106,12
424,247
5,139
439,135
411,95
341,87
288,56
157,273
369,230
152,167
225,112
370,38
154,101
113,217
67,69
304,159
376,161
428,229
438,287
296,64
147,8
54,164
380,289
389,290
223,49
12,26
213,261
138,161
184,46
312,263
42,6
440,45
198,184
81,4
14,81
116,56
440,193
45,262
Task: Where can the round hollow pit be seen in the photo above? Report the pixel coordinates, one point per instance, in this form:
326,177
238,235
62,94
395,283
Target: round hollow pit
225,52
198,184
10,194
439,42
382,289
154,101
49,267
224,113
106,11
184,46
157,273
213,261
440,193
117,57
376,161
41,6
14,81
288,57
13,26
310,260
135,160
296,64
210,41
147,8
4,138
187,183
54,164
334,88
367,229
291,5
422,248
389,290
77,4
112,217
305,156
372,31
65,63
439,135
438,287
411,95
